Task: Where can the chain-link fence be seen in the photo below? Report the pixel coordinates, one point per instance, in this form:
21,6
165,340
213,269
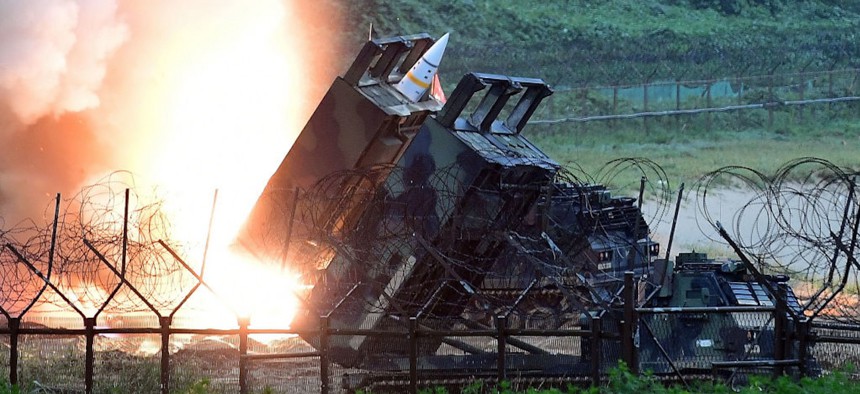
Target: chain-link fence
773,102
730,343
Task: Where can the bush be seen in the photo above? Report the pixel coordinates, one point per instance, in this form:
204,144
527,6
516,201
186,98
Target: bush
622,381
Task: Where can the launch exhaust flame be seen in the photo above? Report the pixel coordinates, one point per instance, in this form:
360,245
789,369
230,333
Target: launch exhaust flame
189,97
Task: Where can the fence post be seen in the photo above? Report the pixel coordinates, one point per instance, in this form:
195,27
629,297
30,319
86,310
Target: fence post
413,354
677,102
501,325
801,92
584,106
802,343
89,333
164,322
779,327
324,354
710,104
740,84
645,106
614,104
244,322
14,325
770,99
854,85
596,351
830,87
628,353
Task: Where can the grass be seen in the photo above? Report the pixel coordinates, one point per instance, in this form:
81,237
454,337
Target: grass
622,381
576,43
569,42
199,387
633,18
58,365
686,155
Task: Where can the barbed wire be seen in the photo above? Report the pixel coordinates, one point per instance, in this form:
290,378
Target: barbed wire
429,240
95,215
799,221
478,248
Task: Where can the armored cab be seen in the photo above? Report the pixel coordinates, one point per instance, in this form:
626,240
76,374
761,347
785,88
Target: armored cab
705,325
362,121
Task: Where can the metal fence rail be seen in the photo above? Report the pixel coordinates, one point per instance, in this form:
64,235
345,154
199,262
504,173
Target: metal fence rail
249,366
236,361
730,108
785,95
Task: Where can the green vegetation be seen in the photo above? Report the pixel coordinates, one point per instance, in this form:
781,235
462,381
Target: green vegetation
686,156
200,387
577,43
58,365
622,381
571,42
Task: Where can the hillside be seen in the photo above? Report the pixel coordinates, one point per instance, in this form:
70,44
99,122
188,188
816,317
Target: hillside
576,45
573,42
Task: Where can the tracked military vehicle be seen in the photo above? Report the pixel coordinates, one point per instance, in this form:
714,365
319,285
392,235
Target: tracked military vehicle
422,215
708,311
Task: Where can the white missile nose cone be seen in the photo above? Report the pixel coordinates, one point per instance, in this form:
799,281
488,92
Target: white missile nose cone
418,79
434,54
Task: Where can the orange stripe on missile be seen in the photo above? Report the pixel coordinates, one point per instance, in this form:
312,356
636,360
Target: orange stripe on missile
421,84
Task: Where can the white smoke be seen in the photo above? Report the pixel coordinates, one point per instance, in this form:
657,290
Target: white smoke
54,53
88,87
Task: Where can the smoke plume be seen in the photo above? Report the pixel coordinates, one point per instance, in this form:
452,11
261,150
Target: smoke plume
183,93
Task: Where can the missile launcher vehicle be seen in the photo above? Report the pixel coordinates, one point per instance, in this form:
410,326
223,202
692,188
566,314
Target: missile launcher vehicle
406,212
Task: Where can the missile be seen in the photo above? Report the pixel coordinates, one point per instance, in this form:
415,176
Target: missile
415,83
